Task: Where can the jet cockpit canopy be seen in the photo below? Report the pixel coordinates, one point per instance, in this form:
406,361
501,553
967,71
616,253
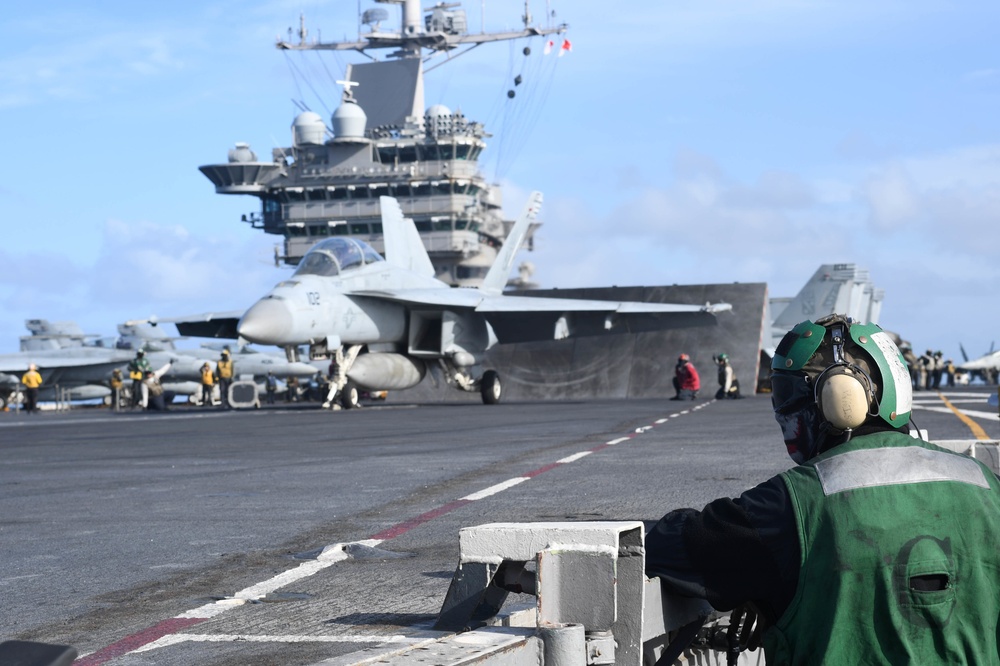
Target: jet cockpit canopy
335,255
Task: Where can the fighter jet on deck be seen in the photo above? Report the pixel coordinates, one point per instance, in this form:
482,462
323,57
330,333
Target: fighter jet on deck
986,366
383,320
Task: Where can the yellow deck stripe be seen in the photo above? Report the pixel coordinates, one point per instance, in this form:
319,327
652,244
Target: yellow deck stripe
976,429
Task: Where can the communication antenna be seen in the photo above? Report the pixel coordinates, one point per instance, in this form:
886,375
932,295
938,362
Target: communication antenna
348,93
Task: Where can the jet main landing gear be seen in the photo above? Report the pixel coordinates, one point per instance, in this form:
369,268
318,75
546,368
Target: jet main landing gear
490,387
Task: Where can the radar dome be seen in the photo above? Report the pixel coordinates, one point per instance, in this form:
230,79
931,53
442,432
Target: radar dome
308,127
349,121
438,111
242,153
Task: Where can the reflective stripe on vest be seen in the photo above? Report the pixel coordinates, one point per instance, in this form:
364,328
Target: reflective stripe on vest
868,468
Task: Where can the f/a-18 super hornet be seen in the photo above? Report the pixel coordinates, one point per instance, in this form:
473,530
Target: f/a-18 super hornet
986,366
382,320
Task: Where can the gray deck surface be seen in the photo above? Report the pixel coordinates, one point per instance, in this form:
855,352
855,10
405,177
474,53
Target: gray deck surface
113,524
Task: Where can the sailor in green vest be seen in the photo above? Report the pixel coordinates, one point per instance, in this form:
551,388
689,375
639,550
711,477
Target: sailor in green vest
877,548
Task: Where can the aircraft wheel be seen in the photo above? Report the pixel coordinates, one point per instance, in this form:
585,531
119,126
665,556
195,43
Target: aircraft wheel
349,396
490,387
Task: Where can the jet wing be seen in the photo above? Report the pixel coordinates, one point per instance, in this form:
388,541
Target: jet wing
10,364
204,325
527,319
66,370
530,319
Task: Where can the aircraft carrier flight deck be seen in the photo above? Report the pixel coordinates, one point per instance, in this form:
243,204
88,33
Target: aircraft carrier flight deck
300,536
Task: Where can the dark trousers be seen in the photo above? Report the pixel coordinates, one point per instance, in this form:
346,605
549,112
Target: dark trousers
224,391
31,399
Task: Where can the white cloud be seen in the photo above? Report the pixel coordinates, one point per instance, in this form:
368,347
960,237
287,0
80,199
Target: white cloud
142,269
924,227
891,198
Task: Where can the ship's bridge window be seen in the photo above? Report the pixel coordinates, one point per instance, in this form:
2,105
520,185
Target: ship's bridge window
359,228
334,255
469,272
408,154
295,230
462,151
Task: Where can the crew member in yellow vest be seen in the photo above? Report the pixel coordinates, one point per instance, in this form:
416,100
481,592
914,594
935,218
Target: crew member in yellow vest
116,384
31,380
207,383
224,369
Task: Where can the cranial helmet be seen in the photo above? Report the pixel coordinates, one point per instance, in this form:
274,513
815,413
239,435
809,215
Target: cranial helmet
723,357
832,377
683,357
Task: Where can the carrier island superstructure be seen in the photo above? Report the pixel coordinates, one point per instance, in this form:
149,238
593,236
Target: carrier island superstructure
382,141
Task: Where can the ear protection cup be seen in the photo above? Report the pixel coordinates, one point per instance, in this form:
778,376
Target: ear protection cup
843,397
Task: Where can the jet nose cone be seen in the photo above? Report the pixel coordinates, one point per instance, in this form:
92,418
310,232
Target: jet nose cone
268,322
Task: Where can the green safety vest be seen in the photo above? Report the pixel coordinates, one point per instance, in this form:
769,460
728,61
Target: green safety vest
900,558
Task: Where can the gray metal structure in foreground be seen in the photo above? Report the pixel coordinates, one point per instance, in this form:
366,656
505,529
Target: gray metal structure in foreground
593,602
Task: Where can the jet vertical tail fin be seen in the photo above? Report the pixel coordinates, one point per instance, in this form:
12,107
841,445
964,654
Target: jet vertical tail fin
496,278
403,247
144,335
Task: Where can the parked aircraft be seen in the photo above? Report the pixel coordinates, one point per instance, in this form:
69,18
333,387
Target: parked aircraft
383,320
184,376
69,371
833,288
985,367
77,366
246,360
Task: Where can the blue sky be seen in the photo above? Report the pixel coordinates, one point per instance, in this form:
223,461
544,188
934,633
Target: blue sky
680,142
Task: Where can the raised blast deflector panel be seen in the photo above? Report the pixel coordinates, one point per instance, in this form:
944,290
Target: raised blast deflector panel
628,365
